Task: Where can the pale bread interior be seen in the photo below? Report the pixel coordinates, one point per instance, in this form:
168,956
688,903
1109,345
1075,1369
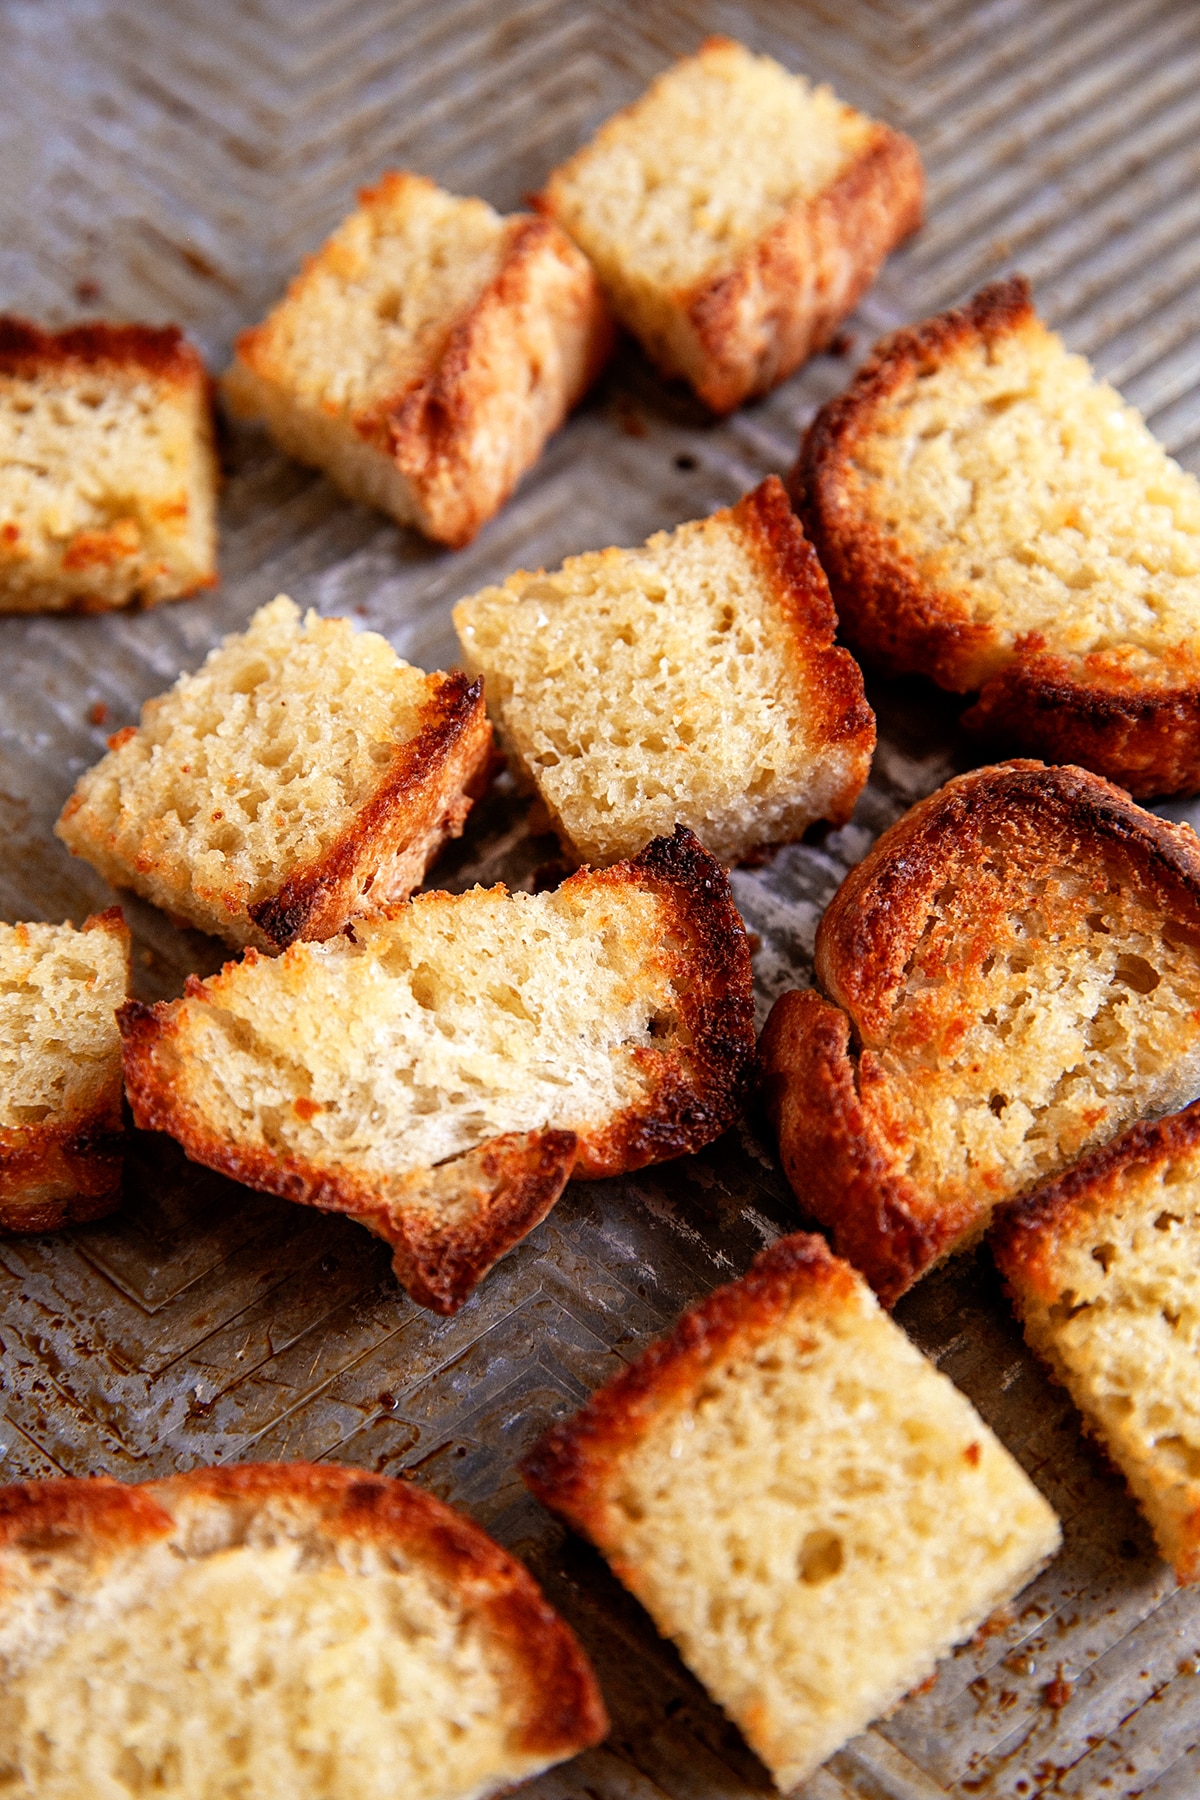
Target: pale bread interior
1122,1333
1083,1015
1035,495
60,1050
677,187
250,769
253,1661
643,688
819,1521
107,474
372,312
463,1018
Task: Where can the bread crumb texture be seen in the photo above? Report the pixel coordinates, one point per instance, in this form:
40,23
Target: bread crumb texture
1017,967
290,1632
983,504
424,355
695,680
303,776
61,1131
612,1017
805,1505
735,213
107,469
1102,1266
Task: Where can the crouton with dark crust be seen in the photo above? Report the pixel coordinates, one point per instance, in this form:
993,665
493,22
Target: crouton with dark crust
1009,978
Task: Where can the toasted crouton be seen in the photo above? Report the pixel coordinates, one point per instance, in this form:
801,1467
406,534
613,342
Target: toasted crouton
440,1074
282,1630
1102,1265
426,353
991,515
805,1505
62,1135
303,777
1013,977
694,680
736,215
107,471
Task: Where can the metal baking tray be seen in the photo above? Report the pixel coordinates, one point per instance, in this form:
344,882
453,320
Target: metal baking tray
175,162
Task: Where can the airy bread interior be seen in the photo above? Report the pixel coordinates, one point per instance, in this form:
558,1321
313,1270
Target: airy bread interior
675,188
677,682
806,1507
1103,1270
107,482
251,769
60,1050
1035,495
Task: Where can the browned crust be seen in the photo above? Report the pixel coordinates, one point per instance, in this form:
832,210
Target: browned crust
887,610
828,675
436,432
825,1093
564,1710
423,799
696,1091
574,1465
786,297
831,1155
27,352
67,1170
1028,1239
1095,710
867,935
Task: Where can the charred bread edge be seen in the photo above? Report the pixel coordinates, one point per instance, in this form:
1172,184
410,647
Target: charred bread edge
569,1713
84,1151
26,351
572,1465
450,752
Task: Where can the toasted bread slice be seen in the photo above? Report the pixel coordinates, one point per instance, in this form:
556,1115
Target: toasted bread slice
1013,977
800,1501
1102,1266
108,476
303,777
693,680
426,353
735,215
289,1632
991,515
440,1074
62,1134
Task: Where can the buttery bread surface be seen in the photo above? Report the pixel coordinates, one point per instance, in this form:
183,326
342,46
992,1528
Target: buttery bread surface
805,1505
426,353
992,515
735,215
273,1632
1012,977
303,776
107,470
1102,1266
441,1073
694,680
62,1135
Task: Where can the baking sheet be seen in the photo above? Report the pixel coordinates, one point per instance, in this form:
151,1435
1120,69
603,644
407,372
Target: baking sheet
175,162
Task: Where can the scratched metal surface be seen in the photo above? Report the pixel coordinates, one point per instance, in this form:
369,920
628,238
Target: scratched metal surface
174,162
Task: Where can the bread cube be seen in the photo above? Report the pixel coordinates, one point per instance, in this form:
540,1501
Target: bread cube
286,1631
303,776
62,1134
735,215
426,353
107,471
692,681
1102,1266
804,1504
